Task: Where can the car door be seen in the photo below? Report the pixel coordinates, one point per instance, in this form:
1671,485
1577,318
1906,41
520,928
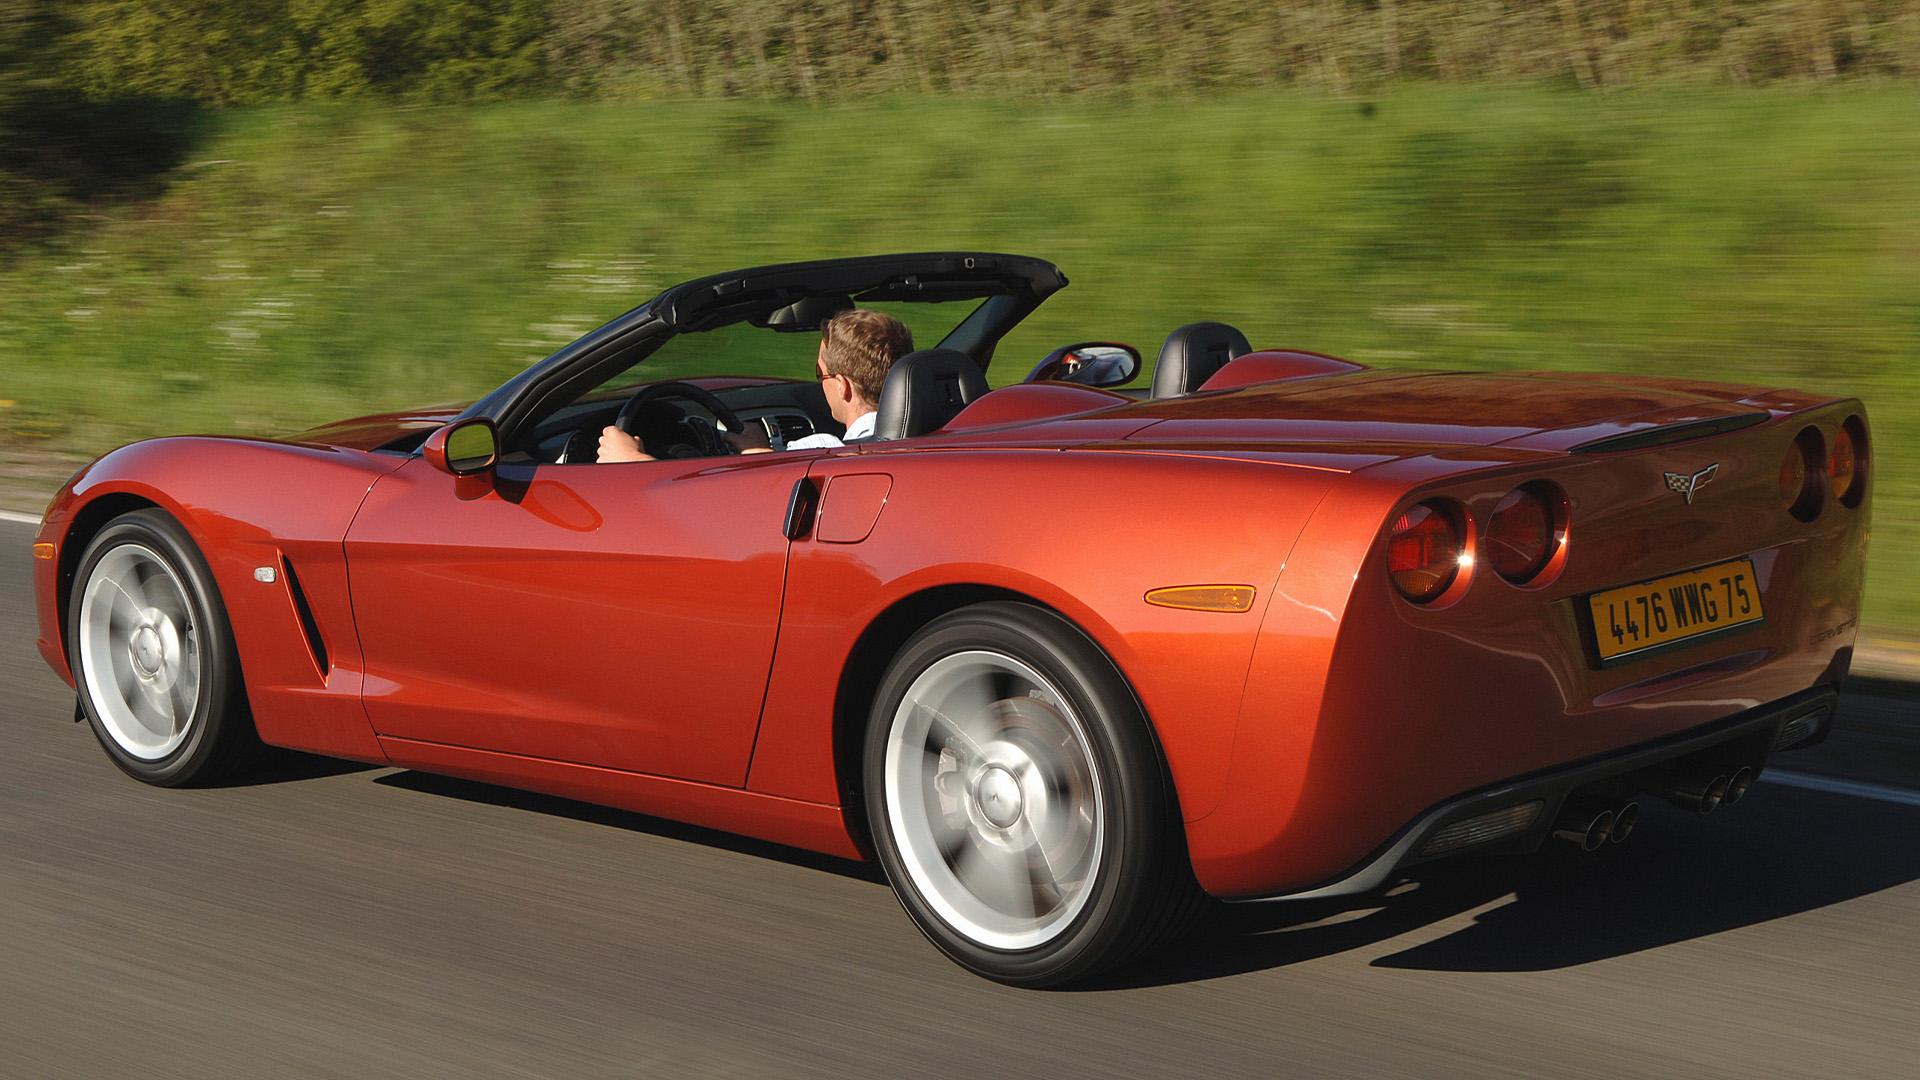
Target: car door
617,615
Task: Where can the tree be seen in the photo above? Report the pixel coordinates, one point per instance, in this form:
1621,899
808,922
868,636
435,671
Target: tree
223,52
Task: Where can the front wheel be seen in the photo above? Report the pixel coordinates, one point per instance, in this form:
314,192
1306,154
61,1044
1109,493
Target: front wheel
152,654
1018,802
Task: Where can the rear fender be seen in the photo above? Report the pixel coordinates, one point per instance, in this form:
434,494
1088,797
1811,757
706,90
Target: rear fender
1086,534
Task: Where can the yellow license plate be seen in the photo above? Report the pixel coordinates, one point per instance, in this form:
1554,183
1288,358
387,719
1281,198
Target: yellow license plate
1675,608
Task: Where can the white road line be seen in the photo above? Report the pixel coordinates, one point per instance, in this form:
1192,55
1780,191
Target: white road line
1835,786
19,519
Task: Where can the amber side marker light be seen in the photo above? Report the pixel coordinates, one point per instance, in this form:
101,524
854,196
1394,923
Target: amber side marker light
43,551
1232,598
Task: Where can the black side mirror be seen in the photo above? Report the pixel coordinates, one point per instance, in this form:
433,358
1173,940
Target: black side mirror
465,448
1090,363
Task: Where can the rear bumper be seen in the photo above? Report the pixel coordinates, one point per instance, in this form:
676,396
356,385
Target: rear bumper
1753,734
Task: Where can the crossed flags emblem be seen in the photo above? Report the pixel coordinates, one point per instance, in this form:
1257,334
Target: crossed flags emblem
1686,486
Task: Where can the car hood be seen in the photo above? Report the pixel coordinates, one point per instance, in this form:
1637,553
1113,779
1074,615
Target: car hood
380,429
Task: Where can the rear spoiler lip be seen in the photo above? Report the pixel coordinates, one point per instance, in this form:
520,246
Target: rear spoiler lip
1668,434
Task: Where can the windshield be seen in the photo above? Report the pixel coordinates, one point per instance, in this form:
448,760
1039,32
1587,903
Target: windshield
744,349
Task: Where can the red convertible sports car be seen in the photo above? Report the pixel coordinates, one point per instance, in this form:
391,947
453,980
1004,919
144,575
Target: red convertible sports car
1065,659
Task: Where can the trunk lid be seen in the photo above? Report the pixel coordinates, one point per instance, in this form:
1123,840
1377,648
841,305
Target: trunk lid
1432,410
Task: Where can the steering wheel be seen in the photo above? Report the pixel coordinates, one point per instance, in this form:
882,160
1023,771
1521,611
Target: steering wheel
707,442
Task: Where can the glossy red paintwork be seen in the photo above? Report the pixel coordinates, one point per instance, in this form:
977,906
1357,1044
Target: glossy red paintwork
621,616
1026,402
1355,720
646,636
1206,520
1277,365
249,504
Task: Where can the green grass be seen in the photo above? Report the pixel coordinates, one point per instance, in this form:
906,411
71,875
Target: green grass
317,261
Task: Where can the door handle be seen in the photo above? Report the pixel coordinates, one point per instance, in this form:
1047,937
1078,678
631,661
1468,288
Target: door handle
801,506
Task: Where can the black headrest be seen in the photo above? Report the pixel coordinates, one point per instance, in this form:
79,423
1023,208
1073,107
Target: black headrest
924,390
1192,354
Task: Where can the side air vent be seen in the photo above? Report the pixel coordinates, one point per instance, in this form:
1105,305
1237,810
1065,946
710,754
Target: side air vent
1671,433
316,645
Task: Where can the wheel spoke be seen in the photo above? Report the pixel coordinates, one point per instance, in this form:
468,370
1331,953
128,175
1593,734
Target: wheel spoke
129,686
992,875
122,613
976,696
173,601
951,843
157,719
1002,686
971,733
1040,869
179,709
186,683
135,594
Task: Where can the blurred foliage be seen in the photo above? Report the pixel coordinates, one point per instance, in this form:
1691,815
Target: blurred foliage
29,62
220,52
1408,182
62,149
317,261
837,49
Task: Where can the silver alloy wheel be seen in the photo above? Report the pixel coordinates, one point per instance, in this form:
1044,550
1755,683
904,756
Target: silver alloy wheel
139,651
994,799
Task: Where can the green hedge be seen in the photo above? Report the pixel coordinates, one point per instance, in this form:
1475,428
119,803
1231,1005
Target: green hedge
238,51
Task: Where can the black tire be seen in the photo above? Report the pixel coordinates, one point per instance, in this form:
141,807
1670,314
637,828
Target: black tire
219,740
1139,893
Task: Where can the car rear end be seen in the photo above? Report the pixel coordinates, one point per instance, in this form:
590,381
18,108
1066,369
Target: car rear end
1539,637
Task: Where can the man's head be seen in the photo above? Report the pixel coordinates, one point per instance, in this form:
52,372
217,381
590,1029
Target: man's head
856,349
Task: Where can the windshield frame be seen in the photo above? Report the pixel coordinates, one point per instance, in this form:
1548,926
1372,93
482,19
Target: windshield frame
1010,287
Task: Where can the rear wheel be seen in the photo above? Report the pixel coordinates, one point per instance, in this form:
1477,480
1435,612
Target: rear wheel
152,654
1017,799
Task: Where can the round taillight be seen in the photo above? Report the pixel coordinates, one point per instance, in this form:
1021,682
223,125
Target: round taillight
1424,550
1800,489
1520,536
1842,464
1793,475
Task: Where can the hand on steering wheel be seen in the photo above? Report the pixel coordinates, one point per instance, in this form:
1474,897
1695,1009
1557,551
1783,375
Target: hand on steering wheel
707,441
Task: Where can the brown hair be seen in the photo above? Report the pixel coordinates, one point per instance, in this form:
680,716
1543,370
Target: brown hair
862,345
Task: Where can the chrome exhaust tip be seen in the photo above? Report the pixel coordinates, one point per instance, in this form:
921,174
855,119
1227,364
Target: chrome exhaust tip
1737,785
1625,820
1700,794
1590,831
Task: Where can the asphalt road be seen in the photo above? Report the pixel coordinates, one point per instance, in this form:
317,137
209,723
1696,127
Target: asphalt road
337,920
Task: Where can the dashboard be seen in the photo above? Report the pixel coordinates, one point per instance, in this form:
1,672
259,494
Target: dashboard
782,410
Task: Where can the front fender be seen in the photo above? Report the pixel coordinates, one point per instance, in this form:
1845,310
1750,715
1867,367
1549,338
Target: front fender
247,504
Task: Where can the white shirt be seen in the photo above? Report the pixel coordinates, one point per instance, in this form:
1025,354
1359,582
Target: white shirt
859,431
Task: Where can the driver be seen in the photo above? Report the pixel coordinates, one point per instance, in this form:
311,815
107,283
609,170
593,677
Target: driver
856,349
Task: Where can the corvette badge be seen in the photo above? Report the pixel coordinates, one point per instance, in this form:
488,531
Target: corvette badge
1686,485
